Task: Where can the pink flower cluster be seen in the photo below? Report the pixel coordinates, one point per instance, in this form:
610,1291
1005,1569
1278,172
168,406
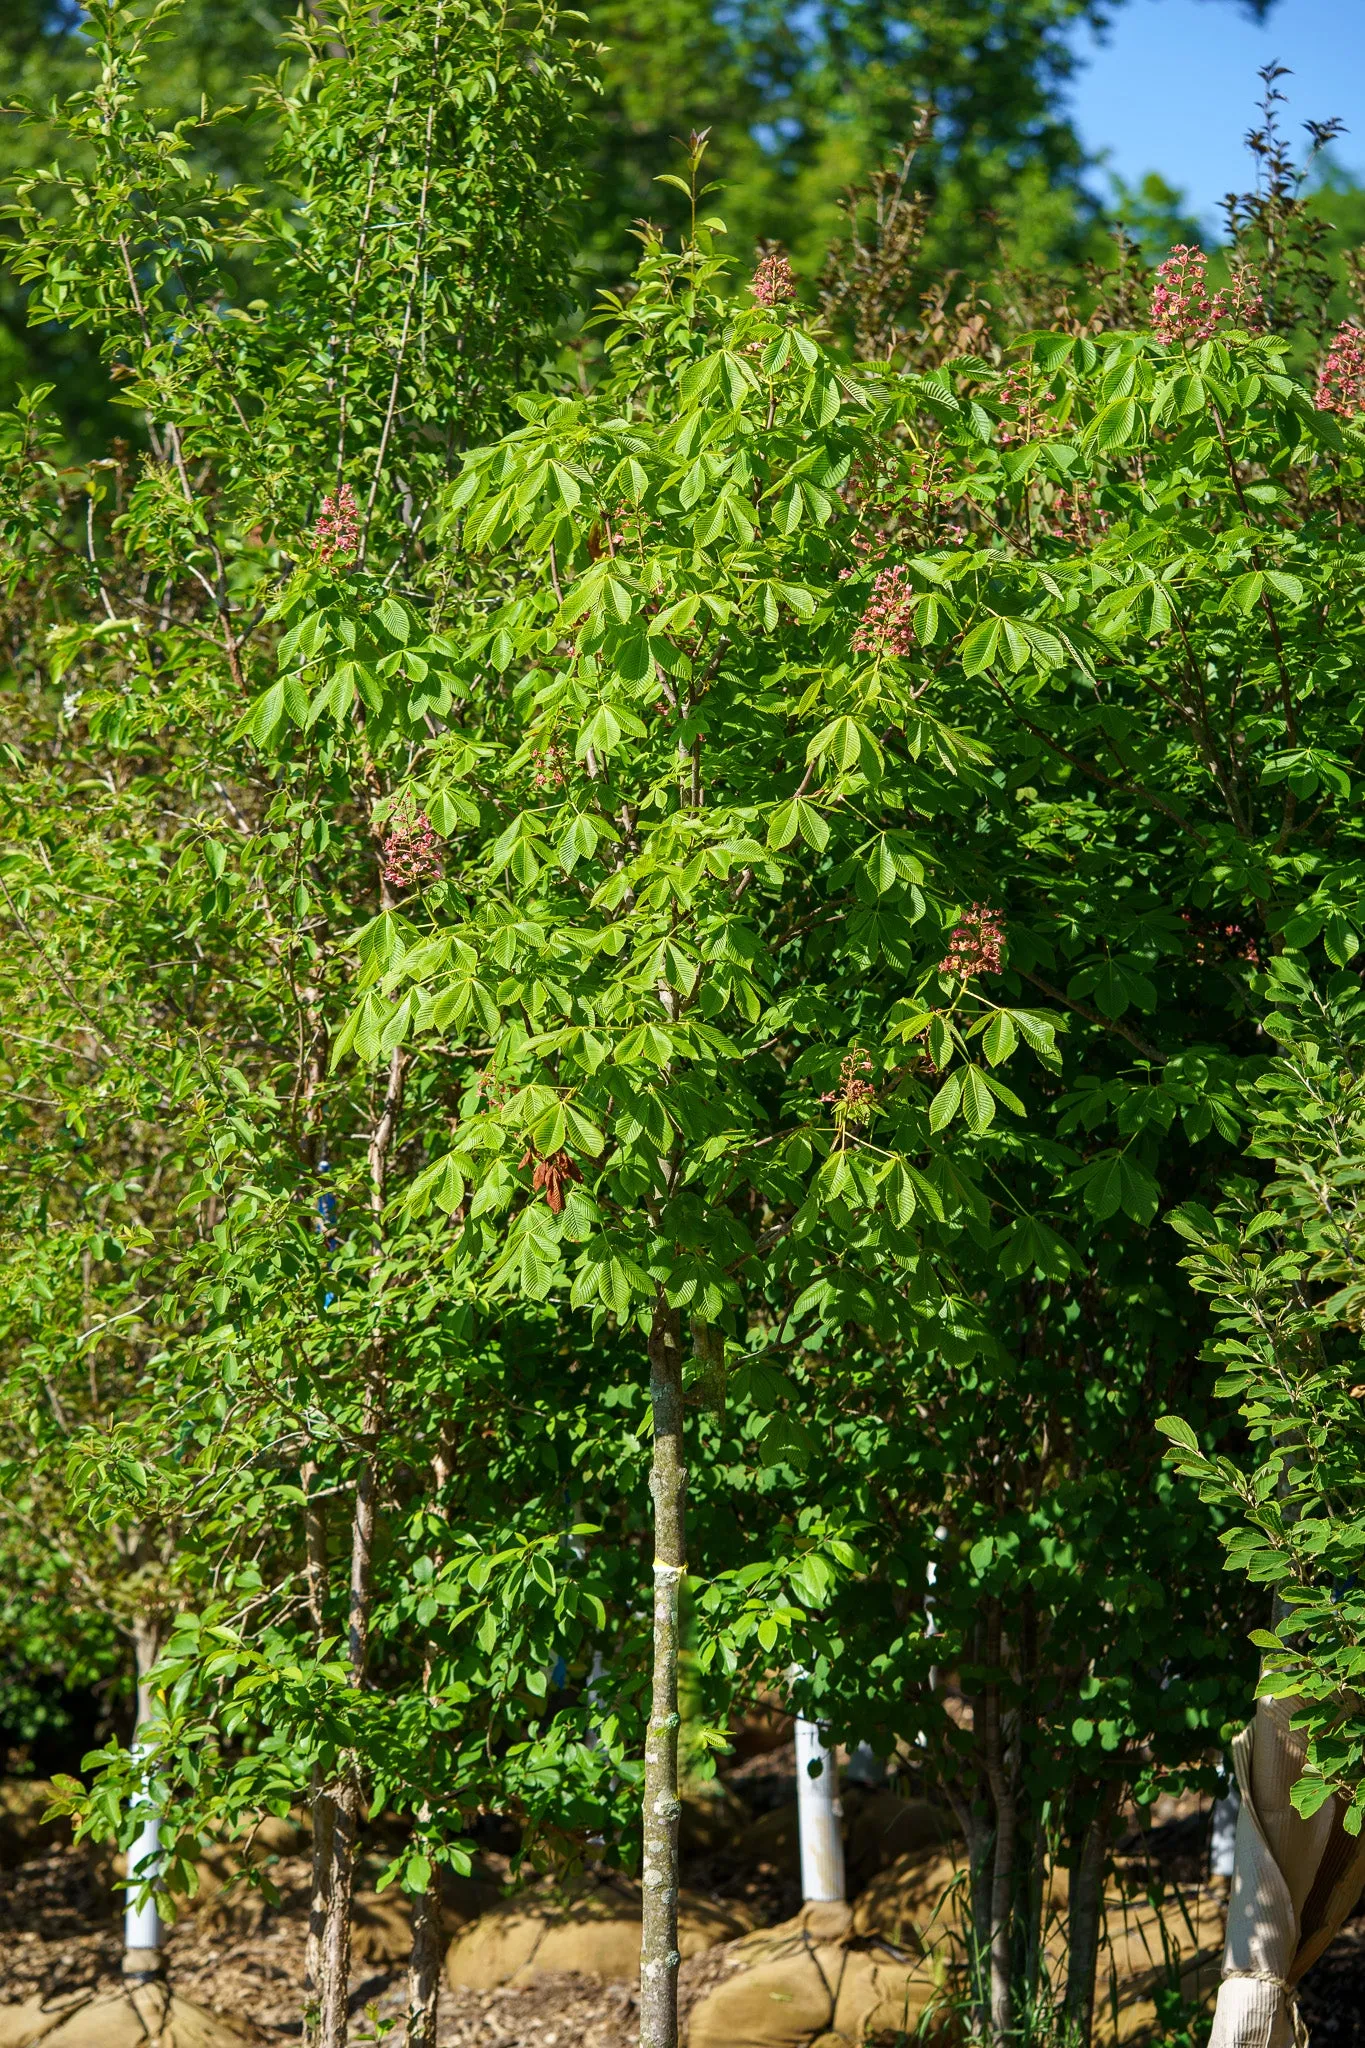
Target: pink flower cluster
855,1095
974,944
1211,933
412,852
1341,373
1015,392
774,280
549,767
496,1093
888,622
1183,309
1072,513
338,529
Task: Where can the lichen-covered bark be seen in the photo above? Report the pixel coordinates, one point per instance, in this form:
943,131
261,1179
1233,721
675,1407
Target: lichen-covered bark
668,1489
424,1967
320,1801
335,1960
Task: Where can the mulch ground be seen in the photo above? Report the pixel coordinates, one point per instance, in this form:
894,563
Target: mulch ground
60,1933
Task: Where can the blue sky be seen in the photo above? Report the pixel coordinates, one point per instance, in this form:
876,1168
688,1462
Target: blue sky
1173,86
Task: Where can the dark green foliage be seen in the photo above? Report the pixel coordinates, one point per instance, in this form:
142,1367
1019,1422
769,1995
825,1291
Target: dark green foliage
1280,1262
784,851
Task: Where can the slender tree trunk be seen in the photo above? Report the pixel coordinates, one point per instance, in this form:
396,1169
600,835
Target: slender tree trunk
363,1519
1030,1855
321,1803
335,1959
315,1549
1002,1919
323,1807
1006,1819
424,1961
347,1793
981,1864
424,1967
1083,1922
971,1804
668,1488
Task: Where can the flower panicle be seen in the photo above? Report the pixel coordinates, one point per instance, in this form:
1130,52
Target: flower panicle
411,856
974,944
1184,309
774,281
855,1095
547,764
887,625
1341,373
337,532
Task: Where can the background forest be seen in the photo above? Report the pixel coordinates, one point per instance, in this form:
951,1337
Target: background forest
680,872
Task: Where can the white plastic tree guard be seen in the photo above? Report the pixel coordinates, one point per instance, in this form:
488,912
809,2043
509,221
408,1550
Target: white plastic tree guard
819,1815
1223,1834
1293,1883
142,1929
141,1921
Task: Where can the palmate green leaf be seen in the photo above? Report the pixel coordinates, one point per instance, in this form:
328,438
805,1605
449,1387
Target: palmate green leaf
264,718
981,646
549,1130
785,1440
1116,426
945,1104
611,1278
1000,1038
1117,1183
978,1103
604,730
884,868
567,484
791,509
798,815
1154,611
448,811
443,1182
900,1194
712,521
1116,985
1033,1245
577,842
848,744
396,619
1002,1094
1246,591
335,698
1039,1032
1051,351
361,1031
